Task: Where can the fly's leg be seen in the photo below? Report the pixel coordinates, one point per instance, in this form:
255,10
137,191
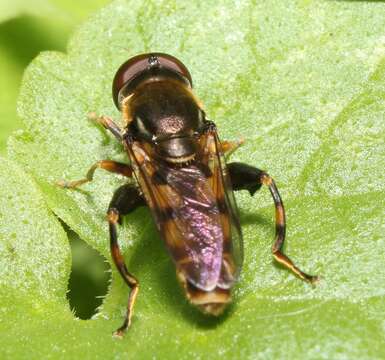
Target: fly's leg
108,165
245,177
229,147
108,124
126,199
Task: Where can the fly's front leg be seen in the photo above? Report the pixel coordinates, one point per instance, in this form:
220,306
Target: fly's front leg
125,200
229,147
108,165
250,178
108,124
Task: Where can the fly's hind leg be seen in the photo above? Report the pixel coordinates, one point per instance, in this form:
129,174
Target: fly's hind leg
245,177
125,200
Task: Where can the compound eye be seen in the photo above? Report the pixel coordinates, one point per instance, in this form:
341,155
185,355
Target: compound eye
138,65
172,63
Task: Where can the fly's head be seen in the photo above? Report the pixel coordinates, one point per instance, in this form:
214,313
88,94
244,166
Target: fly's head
154,92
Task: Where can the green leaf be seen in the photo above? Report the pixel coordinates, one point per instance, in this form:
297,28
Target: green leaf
302,82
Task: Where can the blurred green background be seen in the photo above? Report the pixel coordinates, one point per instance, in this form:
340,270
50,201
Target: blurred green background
26,29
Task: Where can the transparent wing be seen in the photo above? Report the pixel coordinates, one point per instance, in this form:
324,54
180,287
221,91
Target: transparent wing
220,182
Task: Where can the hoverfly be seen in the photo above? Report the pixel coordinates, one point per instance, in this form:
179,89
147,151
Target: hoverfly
178,163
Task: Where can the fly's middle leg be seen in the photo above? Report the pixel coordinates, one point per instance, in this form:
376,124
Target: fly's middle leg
250,178
108,165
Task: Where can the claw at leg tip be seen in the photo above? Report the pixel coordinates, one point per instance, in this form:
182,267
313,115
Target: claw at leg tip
62,183
118,334
314,280
92,115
